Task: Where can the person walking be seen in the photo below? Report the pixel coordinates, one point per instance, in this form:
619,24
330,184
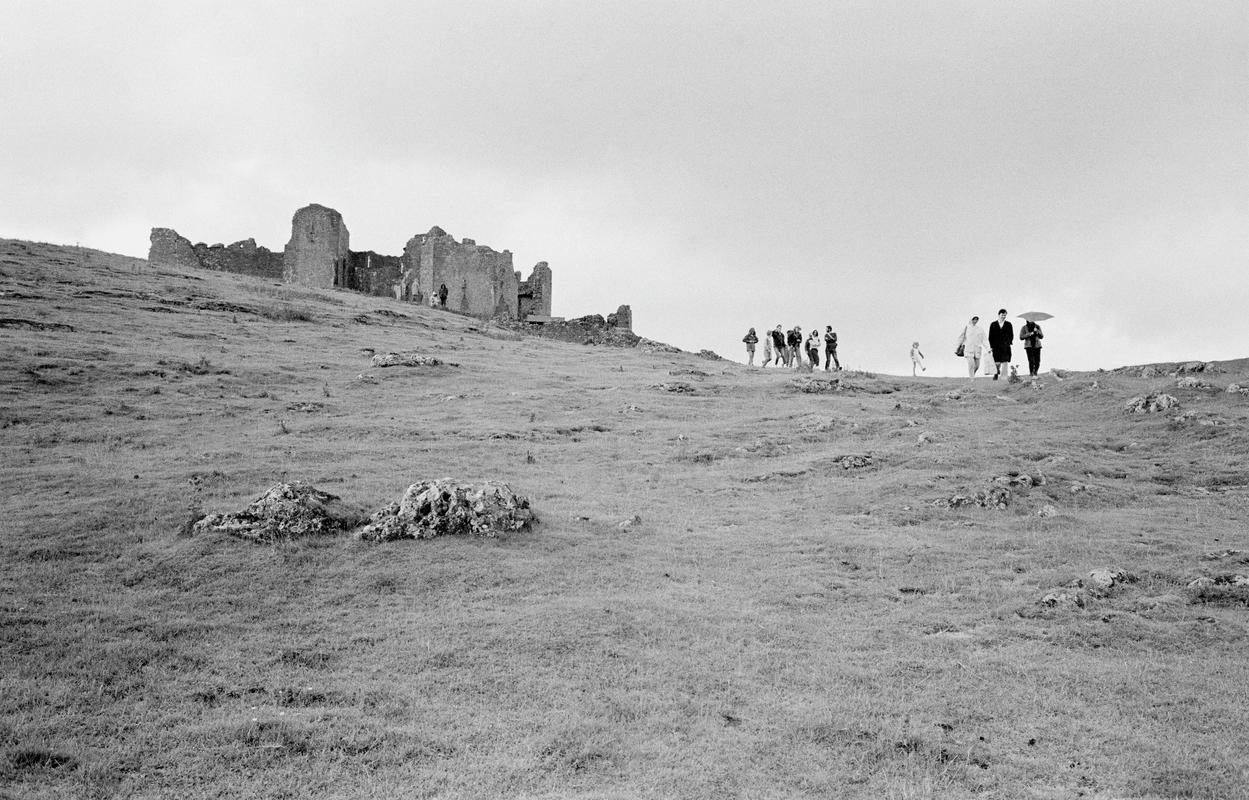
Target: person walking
778,343
793,341
442,295
972,344
1030,336
830,348
751,339
1001,334
917,359
767,348
813,348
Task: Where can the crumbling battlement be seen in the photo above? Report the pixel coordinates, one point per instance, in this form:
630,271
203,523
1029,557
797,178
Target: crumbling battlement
245,258
480,281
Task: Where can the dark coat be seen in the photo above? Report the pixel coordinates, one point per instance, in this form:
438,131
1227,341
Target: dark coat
1001,334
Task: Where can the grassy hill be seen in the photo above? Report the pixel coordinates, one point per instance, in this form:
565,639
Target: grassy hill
739,586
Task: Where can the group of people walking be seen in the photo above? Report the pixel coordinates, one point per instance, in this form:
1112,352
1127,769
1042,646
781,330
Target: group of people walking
974,345
788,347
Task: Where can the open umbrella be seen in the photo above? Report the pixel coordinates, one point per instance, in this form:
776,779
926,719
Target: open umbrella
1035,316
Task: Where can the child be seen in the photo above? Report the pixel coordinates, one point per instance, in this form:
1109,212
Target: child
917,359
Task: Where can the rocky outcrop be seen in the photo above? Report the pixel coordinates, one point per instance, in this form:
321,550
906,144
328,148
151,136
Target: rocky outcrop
406,359
443,507
1150,404
286,511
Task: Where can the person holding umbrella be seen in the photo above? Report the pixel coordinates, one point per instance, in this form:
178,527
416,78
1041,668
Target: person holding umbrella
1031,335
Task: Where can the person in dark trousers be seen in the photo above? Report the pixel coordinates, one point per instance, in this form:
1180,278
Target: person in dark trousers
442,295
1030,336
813,347
778,342
793,343
1001,334
751,339
830,348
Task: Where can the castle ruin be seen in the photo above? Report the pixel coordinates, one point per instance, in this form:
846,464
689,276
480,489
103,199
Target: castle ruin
480,281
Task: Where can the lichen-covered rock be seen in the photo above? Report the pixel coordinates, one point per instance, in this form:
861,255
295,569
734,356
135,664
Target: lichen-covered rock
443,508
853,461
286,511
1046,511
993,497
1100,581
406,359
819,385
1149,404
1189,382
1063,600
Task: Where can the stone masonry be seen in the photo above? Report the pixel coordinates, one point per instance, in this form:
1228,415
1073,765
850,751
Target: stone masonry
480,281
243,257
317,253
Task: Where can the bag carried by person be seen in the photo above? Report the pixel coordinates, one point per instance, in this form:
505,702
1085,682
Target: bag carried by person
962,337
958,351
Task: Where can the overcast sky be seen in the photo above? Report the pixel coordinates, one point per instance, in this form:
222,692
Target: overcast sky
886,168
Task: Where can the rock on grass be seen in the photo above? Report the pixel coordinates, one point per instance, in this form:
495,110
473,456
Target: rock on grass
1150,404
407,359
444,507
286,511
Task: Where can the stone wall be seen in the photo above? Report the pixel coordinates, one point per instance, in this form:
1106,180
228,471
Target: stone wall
372,273
317,254
535,293
479,280
169,249
622,319
242,257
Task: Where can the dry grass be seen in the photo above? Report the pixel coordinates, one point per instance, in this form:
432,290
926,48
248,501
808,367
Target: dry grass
777,625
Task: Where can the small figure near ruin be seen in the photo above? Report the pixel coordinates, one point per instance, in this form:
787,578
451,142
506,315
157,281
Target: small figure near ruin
442,295
751,338
830,348
917,359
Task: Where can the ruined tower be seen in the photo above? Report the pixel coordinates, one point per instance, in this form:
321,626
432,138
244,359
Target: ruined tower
479,280
317,253
535,293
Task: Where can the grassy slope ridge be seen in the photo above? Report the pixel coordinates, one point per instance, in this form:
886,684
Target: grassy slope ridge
777,625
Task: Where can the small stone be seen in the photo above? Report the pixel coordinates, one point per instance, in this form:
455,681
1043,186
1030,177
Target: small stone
1103,579
631,522
1063,600
1047,511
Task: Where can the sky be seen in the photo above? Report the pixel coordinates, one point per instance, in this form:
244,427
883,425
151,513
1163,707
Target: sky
886,168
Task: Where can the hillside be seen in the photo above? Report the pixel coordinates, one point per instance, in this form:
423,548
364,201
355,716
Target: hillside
742,583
